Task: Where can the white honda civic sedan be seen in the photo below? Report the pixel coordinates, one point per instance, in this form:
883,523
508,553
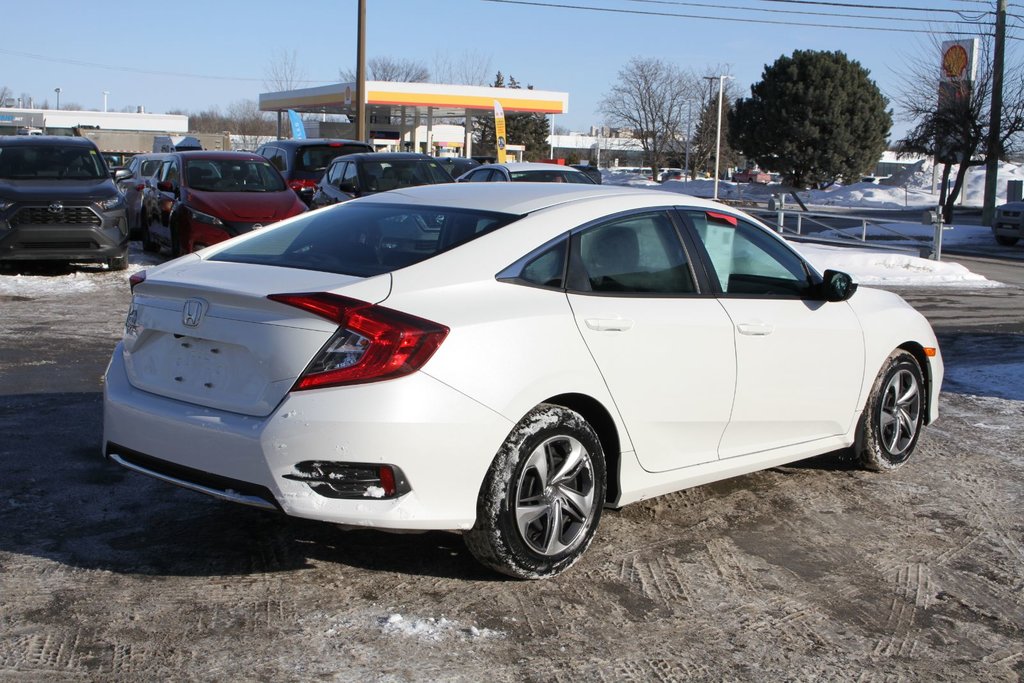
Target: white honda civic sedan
505,360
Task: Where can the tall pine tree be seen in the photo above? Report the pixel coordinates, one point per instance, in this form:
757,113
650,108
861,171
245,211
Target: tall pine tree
815,117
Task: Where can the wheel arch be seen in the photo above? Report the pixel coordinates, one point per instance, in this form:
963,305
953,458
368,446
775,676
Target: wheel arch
598,416
917,351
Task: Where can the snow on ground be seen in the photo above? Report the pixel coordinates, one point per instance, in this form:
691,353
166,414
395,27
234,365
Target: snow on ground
876,267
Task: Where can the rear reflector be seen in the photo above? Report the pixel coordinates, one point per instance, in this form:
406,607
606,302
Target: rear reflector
351,479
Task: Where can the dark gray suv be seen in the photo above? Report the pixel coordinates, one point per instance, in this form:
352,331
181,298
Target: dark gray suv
59,203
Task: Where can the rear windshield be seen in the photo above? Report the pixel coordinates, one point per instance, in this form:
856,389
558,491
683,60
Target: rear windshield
51,161
232,175
554,176
364,239
316,157
391,174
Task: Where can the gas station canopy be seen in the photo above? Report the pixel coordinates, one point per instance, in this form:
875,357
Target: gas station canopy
385,99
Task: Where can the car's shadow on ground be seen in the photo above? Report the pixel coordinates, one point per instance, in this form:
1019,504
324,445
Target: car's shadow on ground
60,500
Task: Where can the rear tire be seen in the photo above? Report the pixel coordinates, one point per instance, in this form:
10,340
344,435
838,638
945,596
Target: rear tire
891,422
541,501
1006,241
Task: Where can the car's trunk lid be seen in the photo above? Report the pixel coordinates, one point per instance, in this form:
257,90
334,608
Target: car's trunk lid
205,333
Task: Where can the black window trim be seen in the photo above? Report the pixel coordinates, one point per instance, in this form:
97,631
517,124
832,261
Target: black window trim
511,273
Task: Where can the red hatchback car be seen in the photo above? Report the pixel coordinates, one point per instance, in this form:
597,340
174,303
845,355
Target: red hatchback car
214,196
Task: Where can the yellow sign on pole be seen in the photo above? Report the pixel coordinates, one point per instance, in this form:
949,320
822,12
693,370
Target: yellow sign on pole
499,130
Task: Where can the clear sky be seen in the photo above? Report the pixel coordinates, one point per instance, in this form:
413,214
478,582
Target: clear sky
193,55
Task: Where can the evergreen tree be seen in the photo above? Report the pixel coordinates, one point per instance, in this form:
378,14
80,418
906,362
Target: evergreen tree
814,117
521,128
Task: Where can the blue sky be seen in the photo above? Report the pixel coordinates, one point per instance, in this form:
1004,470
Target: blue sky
192,55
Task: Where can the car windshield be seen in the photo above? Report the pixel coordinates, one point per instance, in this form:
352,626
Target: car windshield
553,176
392,174
51,161
232,175
316,157
364,239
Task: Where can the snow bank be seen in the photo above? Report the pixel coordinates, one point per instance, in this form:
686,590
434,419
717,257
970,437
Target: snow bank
872,267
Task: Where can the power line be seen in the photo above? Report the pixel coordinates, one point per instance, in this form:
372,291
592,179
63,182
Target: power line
742,20
963,18
148,72
820,3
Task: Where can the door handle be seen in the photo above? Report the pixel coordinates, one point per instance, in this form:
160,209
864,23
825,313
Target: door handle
609,324
755,329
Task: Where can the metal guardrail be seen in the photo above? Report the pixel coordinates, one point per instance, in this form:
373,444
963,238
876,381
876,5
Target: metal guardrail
796,223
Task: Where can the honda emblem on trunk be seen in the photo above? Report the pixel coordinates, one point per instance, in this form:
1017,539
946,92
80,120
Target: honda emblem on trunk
56,207
192,312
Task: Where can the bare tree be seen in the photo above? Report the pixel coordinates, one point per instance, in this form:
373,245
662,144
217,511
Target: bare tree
5,94
955,129
651,98
283,72
391,69
469,68
246,119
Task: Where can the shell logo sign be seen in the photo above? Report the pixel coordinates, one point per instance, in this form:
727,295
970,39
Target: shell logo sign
954,61
958,60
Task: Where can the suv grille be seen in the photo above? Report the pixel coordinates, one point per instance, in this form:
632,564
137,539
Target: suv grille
70,215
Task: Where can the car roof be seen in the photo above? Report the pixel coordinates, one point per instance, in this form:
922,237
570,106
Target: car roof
218,155
524,198
305,142
386,156
47,140
529,166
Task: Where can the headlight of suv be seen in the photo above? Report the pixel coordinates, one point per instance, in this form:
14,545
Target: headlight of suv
113,203
205,218
5,204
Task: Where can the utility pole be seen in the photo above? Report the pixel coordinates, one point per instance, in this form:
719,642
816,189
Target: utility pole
995,117
361,74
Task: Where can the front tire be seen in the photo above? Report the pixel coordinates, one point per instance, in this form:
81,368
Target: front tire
1005,241
118,262
891,423
541,501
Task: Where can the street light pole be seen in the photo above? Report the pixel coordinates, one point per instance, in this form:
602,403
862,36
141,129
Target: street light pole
689,117
57,90
718,128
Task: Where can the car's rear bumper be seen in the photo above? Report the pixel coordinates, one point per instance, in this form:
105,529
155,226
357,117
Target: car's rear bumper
440,439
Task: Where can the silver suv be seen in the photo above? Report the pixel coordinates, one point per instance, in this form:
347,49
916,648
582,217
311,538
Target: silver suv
1008,226
59,203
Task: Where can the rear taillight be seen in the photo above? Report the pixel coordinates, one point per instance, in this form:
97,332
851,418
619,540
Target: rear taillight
300,185
136,278
372,343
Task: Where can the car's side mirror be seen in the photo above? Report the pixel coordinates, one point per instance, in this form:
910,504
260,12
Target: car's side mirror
122,174
165,186
348,186
837,286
